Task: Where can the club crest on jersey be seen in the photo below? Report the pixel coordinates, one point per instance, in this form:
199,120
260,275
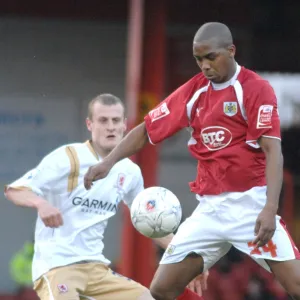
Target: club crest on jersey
230,108
121,180
62,288
170,250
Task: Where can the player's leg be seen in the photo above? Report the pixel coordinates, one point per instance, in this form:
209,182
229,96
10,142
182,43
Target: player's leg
64,283
288,274
109,285
170,280
196,246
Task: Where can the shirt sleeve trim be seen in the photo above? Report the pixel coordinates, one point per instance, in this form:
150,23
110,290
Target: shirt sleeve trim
150,139
20,188
272,137
255,144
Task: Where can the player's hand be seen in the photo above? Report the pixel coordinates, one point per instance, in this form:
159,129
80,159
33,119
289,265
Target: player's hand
96,172
265,227
50,215
199,284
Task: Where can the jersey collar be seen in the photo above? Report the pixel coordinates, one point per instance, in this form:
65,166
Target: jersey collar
224,85
91,148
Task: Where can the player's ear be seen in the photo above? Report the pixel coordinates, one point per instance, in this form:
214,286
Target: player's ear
125,124
231,50
88,123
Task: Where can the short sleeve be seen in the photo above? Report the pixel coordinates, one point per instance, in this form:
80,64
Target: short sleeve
262,113
137,187
170,116
43,178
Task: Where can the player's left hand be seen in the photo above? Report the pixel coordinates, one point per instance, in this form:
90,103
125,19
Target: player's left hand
199,284
265,227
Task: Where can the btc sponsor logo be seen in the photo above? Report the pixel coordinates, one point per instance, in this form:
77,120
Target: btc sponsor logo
216,137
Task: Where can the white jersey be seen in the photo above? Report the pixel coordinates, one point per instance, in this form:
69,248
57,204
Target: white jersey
59,179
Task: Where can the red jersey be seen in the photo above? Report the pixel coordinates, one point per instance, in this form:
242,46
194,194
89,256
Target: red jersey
225,120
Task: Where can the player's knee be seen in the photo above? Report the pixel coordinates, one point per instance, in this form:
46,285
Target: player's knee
160,293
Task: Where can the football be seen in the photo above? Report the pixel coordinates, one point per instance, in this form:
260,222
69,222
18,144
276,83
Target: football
156,212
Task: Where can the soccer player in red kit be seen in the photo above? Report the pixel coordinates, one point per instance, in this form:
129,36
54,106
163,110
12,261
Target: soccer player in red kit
235,136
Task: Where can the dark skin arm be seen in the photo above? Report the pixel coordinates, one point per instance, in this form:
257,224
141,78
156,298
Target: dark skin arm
134,141
265,223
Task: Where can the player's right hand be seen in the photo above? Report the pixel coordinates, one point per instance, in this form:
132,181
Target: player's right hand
50,215
199,284
96,172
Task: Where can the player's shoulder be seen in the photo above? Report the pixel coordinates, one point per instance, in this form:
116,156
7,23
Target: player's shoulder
185,92
192,85
61,150
252,82
58,156
128,166
196,82
78,147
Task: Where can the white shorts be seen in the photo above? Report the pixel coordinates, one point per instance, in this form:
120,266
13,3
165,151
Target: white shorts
226,220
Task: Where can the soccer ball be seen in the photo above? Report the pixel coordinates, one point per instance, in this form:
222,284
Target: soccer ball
156,212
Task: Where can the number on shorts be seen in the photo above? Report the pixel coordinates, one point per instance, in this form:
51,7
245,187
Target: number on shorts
270,247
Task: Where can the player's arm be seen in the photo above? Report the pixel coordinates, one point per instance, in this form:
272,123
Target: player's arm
31,190
134,141
274,171
265,224
27,191
50,215
23,197
264,132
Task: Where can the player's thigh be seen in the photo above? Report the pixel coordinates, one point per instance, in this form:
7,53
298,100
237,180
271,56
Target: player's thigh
288,274
197,246
199,234
64,283
174,277
113,286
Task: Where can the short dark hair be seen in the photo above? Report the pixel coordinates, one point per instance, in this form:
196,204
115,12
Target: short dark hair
216,31
105,99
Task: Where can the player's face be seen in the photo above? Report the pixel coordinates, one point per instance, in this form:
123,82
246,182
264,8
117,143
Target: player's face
107,126
215,62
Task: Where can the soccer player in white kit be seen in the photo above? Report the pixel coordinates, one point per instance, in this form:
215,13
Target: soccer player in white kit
68,262
233,118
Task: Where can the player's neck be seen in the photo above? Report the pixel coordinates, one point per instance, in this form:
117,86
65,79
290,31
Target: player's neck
99,151
225,84
232,71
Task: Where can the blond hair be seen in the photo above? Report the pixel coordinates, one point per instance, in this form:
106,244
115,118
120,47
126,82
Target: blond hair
105,99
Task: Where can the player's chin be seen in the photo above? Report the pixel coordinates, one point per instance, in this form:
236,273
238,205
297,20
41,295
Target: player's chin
216,79
110,145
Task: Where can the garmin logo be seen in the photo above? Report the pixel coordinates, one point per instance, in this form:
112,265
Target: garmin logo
94,205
